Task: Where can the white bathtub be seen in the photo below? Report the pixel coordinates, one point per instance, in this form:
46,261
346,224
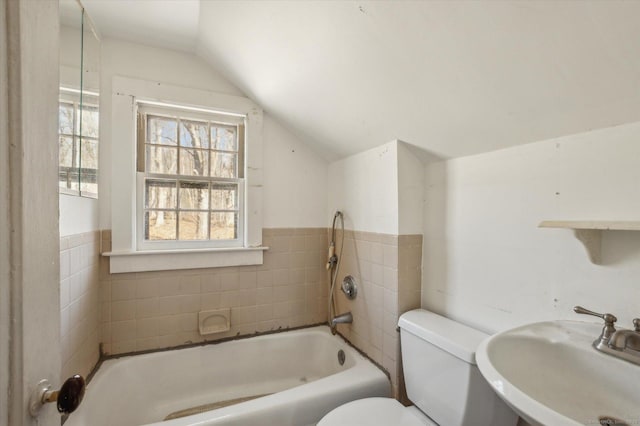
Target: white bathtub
299,369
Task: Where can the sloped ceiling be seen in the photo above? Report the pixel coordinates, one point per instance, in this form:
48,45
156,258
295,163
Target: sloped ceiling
452,78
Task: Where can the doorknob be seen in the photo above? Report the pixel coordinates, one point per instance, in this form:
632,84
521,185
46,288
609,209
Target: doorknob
67,399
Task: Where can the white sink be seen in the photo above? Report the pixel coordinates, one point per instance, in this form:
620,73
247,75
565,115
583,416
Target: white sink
549,373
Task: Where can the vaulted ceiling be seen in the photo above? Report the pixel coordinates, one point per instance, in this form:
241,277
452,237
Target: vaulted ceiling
451,78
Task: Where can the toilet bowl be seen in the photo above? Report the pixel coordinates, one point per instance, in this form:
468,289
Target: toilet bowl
441,378
376,412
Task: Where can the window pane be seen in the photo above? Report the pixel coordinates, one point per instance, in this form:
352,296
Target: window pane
160,194
193,226
162,159
224,196
162,130
194,195
194,134
224,138
194,162
89,166
66,151
65,118
68,178
89,154
223,164
224,226
89,121
69,181
87,186
160,225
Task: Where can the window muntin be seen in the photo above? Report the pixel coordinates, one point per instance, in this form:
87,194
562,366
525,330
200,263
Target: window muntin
191,179
78,133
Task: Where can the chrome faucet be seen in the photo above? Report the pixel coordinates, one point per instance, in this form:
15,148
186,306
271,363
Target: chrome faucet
624,344
345,318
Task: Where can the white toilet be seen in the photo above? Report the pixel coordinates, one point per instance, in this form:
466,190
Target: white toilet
441,378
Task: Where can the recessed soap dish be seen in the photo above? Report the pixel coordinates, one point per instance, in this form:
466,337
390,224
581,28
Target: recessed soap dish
214,321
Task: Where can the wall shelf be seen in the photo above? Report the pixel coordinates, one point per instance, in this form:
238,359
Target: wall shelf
589,232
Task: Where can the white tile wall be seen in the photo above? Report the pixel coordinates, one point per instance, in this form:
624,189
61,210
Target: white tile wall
79,326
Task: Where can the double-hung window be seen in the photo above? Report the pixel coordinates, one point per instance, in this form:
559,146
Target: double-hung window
191,186
185,178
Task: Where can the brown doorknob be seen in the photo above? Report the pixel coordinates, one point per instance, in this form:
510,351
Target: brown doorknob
68,398
70,394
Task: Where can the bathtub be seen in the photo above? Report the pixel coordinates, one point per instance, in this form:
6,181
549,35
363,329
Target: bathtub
298,372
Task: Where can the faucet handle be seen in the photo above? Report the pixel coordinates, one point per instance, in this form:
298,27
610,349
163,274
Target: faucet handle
608,328
609,319
636,324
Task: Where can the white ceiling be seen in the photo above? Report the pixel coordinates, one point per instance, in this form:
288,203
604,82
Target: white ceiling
165,23
452,78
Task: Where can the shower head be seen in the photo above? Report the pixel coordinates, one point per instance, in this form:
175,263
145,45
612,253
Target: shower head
338,214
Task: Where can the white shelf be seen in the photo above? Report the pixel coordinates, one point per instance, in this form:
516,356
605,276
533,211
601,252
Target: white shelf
589,232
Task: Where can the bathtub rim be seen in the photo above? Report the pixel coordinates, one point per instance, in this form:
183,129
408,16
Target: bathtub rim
106,357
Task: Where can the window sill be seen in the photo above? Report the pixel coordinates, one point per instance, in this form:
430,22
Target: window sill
164,260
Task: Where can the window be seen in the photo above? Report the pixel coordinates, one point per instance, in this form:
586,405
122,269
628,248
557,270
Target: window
191,172
201,209
78,126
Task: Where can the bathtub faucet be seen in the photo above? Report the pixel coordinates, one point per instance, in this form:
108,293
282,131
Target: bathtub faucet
345,318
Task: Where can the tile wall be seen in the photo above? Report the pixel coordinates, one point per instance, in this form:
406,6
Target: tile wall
152,310
388,271
79,326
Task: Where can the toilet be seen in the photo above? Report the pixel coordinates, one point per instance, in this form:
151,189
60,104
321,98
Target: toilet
441,378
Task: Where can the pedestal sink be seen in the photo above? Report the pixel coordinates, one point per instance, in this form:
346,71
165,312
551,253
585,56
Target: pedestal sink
549,373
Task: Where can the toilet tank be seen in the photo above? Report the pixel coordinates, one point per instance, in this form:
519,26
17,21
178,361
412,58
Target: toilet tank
441,375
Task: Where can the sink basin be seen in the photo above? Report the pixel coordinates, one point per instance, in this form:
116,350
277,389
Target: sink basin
549,373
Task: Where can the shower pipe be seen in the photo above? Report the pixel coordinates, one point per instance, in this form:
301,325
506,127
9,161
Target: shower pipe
333,265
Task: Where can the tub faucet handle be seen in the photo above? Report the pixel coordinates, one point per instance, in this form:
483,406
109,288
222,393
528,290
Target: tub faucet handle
636,324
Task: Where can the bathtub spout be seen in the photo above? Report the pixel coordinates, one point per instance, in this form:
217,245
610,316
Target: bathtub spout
345,318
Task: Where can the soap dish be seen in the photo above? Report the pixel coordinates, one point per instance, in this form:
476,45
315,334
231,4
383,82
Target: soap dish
214,321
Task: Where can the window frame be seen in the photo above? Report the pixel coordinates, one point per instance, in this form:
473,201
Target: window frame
125,254
182,113
73,98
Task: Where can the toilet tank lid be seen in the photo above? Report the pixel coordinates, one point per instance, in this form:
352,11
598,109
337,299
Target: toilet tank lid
448,335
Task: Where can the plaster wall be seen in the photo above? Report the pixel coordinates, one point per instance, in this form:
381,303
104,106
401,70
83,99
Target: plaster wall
5,226
410,191
364,187
30,203
486,262
294,176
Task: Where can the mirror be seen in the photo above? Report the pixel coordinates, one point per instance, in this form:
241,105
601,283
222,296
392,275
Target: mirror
78,117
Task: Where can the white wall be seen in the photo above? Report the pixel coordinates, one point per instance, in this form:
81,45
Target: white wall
295,182
29,204
486,263
380,190
364,187
78,214
410,191
5,225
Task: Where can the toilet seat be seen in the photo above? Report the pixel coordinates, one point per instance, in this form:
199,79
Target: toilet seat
375,412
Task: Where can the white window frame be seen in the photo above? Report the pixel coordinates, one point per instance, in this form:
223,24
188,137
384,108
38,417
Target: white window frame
73,97
127,254
172,111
